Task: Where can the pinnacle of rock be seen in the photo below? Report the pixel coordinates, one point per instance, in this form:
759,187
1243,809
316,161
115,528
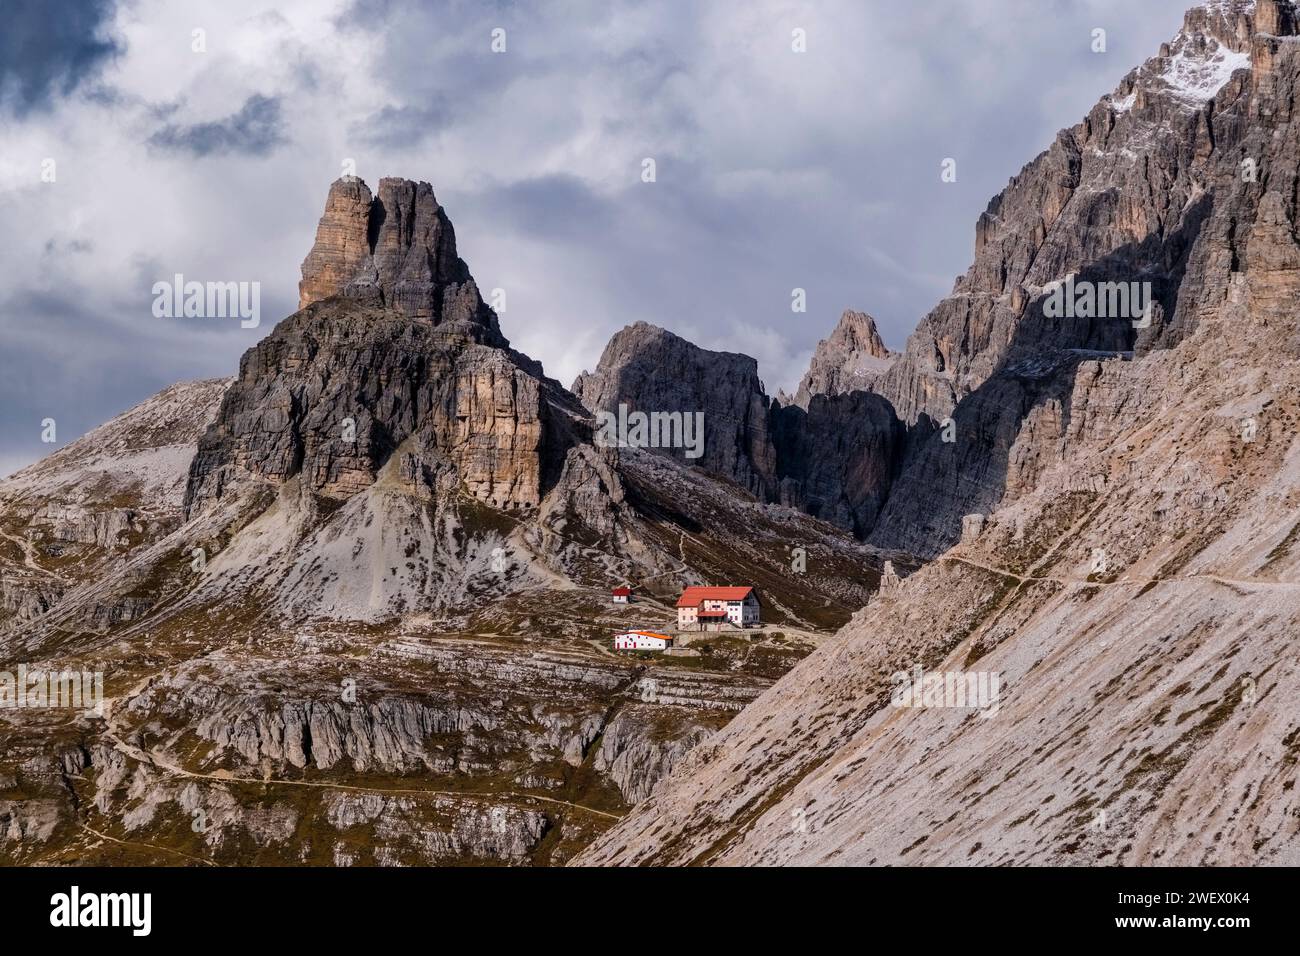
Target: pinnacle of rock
397,248
850,359
342,242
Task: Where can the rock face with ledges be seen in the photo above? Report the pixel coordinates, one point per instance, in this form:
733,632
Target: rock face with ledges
1161,183
837,459
343,242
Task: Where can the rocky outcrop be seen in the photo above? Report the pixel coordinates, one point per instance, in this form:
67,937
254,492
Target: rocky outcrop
647,369
27,823
103,529
834,459
398,830
475,721
348,826
404,352
24,598
339,391
641,744
397,248
851,359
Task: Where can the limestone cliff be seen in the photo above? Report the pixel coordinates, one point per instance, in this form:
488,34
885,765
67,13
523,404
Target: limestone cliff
1166,182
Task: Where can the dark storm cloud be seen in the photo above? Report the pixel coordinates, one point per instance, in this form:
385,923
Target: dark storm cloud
48,47
398,126
62,360
553,207
439,66
256,129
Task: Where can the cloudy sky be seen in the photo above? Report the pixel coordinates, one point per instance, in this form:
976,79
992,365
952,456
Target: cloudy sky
775,169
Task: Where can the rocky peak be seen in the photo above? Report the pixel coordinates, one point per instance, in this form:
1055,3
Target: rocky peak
1183,179
857,332
397,249
1230,22
1216,40
852,358
342,242
1233,23
833,458
1120,193
649,369
392,348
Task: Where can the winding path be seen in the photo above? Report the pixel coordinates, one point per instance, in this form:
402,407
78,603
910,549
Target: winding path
152,846
1126,582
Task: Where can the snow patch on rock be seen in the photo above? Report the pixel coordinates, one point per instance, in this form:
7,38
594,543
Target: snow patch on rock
1197,79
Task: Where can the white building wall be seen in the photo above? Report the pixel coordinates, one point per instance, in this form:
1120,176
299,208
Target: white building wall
745,613
639,642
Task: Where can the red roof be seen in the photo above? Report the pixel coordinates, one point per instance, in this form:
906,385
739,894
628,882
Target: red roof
713,614
622,592
693,597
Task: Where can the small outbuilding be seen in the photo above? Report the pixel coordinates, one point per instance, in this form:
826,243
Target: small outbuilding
642,641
